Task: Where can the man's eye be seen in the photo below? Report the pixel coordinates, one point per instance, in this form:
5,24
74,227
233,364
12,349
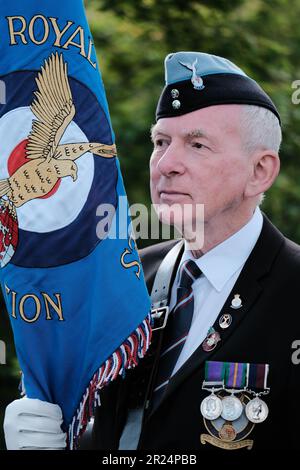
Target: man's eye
160,142
198,145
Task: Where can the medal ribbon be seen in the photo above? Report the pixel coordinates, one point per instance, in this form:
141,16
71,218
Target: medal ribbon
258,376
237,374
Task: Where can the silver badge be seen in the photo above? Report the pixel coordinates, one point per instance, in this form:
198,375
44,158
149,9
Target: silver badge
257,410
174,93
176,104
195,79
211,407
225,321
232,408
236,301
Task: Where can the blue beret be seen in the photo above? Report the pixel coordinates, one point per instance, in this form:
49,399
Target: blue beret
195,80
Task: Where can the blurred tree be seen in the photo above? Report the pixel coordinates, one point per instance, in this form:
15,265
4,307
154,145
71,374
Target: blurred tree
261,36
132,39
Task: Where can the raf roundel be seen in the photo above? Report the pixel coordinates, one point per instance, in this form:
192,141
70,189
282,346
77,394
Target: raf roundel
54,161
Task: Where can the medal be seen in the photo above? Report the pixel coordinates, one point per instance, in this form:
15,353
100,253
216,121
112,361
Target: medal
227,418
257,410
229,435
211,407
211,340
232,408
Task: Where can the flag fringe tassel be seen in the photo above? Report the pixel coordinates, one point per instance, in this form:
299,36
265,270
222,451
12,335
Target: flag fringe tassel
125,357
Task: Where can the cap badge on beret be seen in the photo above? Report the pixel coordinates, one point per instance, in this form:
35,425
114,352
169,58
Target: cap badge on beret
176,103
196,79
174,93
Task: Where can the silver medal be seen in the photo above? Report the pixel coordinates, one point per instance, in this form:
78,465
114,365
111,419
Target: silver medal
211,407
232,408
257,410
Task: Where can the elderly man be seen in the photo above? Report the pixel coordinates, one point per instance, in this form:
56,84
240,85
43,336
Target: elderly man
219,373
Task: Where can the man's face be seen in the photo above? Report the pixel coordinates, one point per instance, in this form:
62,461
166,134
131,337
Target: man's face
198,159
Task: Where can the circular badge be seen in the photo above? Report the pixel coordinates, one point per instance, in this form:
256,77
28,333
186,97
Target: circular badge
176,104
257,410
232,408
174,93
211,407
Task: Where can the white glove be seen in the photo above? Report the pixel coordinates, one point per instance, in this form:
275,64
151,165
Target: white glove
33,424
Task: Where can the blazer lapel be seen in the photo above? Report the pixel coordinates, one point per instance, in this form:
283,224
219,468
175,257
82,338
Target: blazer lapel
249,287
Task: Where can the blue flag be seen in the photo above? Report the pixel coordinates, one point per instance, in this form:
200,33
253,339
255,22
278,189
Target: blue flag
70,273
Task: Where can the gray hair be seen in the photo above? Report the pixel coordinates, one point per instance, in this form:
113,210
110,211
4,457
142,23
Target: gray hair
260,129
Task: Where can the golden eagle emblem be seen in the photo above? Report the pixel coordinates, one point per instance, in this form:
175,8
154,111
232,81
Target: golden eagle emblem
54,109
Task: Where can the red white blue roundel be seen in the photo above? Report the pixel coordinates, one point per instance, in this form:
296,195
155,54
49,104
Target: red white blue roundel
58,226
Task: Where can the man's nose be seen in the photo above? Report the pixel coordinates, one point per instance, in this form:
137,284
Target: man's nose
171,162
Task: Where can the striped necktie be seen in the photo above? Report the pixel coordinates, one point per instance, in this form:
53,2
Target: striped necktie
177,329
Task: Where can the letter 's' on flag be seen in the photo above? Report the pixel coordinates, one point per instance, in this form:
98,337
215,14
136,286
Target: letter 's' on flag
76,295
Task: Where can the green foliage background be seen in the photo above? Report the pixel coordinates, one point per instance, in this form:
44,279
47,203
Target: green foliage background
132,38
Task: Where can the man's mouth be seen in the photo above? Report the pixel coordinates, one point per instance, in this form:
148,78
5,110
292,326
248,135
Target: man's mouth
167,194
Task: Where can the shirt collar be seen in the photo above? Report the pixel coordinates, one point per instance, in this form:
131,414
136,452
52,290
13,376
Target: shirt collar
225,259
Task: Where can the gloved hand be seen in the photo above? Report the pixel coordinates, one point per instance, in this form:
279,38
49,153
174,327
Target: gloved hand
33,424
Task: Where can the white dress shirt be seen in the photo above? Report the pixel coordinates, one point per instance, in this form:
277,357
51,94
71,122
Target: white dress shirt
221,266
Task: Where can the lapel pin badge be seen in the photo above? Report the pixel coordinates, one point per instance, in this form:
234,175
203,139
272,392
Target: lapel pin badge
211,340
225,321
236,302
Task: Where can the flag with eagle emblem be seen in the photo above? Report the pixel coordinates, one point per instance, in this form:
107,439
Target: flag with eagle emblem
69,269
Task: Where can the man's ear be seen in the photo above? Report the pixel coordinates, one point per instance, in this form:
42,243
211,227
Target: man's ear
265,168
